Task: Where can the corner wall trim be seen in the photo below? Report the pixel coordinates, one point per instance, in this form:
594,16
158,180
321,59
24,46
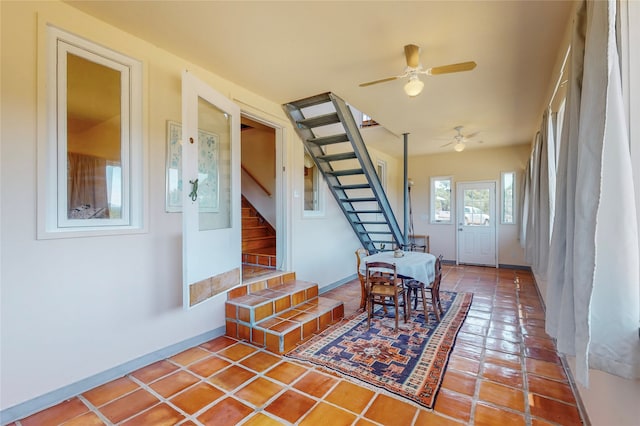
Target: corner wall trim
52,398
337,284
521,267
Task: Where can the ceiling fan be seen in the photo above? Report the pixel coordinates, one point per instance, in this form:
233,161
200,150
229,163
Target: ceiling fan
459,139
414,68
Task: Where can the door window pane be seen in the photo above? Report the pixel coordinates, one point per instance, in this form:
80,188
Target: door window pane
476,207
508,197
441,200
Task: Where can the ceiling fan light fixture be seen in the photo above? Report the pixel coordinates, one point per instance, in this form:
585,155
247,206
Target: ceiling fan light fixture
414,86
459,147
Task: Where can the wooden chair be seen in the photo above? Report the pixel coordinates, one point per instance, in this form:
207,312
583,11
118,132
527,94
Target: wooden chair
419,290
385,288
419,243
360,254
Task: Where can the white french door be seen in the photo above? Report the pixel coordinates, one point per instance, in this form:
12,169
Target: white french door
211,229
476,223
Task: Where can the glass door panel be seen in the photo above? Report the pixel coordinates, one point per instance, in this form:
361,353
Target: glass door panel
214,167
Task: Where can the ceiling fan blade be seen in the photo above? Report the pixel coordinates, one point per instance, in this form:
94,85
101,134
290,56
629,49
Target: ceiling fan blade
446,144
446,69
469,136
384,80
412,53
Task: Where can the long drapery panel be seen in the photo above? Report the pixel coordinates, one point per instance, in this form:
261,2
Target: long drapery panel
592,294
539,189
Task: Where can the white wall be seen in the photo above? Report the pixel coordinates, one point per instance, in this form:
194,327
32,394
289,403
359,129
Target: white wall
87,305
466,166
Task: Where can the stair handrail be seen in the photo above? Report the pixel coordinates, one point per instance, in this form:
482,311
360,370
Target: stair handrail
244,169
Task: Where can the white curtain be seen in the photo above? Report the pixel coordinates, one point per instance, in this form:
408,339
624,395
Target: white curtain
592,294
533,196
87,182
538,186
525,195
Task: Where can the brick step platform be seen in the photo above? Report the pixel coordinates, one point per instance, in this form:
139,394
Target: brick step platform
279,312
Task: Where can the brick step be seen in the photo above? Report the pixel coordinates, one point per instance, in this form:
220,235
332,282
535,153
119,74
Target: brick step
255,231
279,312
282,332
268,258
261,303
249,244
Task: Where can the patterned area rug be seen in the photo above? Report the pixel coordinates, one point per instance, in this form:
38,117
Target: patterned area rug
410,362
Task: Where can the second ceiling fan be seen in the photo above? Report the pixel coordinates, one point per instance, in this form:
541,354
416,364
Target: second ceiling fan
414,68
459,139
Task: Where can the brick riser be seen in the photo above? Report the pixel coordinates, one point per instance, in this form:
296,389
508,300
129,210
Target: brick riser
278,313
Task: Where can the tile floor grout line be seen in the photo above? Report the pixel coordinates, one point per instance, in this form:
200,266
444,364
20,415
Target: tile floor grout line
148,388
525,373
94,409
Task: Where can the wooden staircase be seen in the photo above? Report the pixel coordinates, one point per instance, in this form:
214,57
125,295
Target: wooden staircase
279,312
258,238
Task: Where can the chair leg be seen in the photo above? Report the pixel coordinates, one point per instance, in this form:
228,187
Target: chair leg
406,295
424,304
395,302
369,310
363,296
434,303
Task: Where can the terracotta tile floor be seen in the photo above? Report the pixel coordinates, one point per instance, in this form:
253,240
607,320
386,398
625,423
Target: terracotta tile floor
503,370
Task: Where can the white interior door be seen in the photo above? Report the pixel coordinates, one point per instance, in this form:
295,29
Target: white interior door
476,219
211,239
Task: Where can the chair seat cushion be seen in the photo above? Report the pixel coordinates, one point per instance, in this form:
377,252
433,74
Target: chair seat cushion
382,290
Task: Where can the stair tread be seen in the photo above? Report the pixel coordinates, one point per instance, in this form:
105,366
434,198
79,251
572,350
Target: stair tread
262,237
302,313
320,120
348,172
266,295
329,140
312,100
286,289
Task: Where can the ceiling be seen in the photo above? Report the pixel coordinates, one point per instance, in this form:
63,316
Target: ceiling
286,51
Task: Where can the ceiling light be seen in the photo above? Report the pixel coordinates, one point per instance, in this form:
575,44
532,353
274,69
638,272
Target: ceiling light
459,147
414,86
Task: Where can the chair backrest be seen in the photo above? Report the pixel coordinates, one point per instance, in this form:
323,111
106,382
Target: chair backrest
360,254
381,273
438,268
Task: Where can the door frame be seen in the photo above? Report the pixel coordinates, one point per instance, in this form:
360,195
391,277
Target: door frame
459,209
283,236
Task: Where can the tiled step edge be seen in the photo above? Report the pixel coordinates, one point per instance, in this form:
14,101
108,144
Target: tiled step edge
281,333
262,303
259,259
261,284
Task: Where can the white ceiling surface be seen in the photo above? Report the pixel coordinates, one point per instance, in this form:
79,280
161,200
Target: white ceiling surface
286,51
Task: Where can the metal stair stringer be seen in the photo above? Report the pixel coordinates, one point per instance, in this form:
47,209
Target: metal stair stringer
332,139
